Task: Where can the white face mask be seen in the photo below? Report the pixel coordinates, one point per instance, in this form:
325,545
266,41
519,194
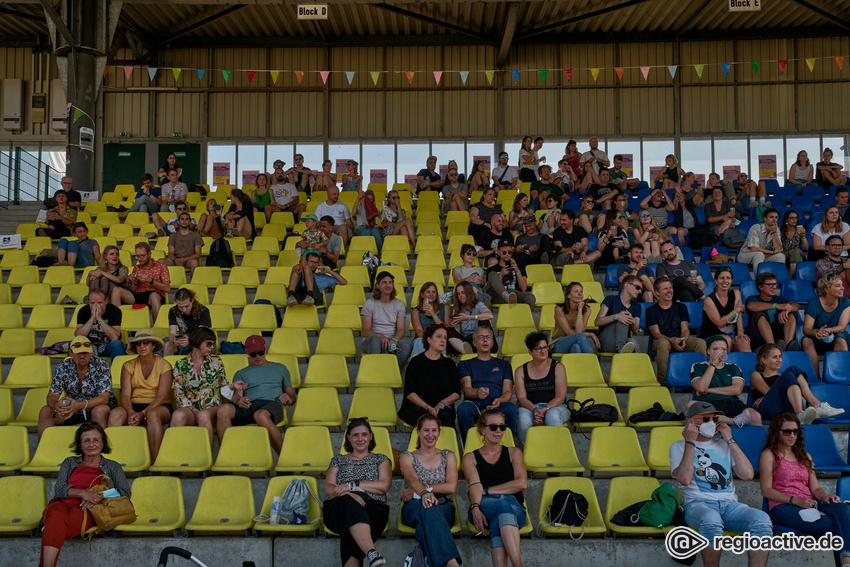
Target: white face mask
708,429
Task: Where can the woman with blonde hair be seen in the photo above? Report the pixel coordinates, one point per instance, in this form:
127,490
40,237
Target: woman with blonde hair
426,312
651,236
394,219
571,319
111,272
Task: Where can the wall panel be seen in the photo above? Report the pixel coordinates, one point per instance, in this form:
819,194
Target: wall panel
126,112
356,115
765,108
646,111
813,102
296,115
179,112
587,112
413,114
237,115
707,109
469,114
531,112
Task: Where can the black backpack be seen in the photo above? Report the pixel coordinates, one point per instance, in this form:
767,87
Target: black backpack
589,410
700,237
220,254
655,413
568,509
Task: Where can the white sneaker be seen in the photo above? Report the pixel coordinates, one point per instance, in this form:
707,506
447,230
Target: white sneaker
743,419
826,410
628,348
808,416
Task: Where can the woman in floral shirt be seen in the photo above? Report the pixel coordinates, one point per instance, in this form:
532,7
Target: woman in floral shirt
198,380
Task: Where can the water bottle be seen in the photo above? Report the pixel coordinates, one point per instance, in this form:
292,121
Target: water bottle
66,402
723,357
275,512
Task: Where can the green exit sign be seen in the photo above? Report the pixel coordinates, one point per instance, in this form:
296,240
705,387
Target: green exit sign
177,134
123,134
125,154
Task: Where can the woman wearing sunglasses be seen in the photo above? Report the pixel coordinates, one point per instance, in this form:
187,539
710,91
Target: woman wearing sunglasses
648,233
789,482
541,388
394,219
497,477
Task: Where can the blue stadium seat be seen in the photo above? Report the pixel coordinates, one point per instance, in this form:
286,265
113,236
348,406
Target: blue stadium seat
746,361
798,290
782,196
745,225
687,253
836,395
805,272
815,193
751,440
828,201
748,289
836,368
701,215
694,314
803,202
776,268
705,272
771,186
802,361
740,272
611,281
679,368
821,446
842,487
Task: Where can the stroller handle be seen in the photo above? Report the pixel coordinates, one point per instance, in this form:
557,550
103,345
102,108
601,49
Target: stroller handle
163,557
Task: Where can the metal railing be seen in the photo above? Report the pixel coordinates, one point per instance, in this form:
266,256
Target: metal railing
24,177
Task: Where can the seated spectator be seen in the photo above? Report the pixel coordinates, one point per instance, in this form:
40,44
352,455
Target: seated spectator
311,237
571,320
351,179
587,178
478,180
619,318
686,199
565,177
467,314
184,318
332,247
172,191
545,187
482,212
469,271
325,179
828,173
658,206
603,192
505,176
309,279
428,179
834,262
79,253
670,176
239,218
198,382
703,466
763,243
185,245
456,193
570,242
720,384
688,284
771,316
541,388
149,282
394,219
145,389
637,267
283,195
832,225
489,238
74,197
261,194
86,382
384,321
549,220
723,313
775,391
172,225
210,222
532,247
795,244
825,323
100,322
61,219
366,217
801,172
507,278
842,201
431,381
667,323
573,156
148,197
587,215
519,210
487,383
719,214
111,273
749,194
427,311
619,176
302,175
260,391
614,240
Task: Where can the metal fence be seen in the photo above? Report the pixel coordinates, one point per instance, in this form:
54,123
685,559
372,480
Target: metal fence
23,177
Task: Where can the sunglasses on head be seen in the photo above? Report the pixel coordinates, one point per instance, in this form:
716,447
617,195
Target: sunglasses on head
256,353
790,432
496,426
645,215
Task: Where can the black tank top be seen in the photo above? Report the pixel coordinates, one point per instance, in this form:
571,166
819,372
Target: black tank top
500,472
672,173
770,382
709,329
542,390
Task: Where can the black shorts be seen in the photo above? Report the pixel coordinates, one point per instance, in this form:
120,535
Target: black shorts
245,416
142,297
731,407
139,407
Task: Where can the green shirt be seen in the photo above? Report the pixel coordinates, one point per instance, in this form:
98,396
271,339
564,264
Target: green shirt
265,382
551,188
723,377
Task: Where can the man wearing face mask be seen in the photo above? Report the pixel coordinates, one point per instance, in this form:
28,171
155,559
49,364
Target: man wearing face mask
703,464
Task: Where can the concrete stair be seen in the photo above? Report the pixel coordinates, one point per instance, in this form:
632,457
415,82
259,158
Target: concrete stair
16,214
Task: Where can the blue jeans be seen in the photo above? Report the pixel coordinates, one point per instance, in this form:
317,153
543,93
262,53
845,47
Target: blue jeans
555,417
113,349
836,521
711,517
501,510
776,399
469,410
379,241
433,530
577,342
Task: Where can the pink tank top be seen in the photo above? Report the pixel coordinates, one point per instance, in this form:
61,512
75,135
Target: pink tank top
791,478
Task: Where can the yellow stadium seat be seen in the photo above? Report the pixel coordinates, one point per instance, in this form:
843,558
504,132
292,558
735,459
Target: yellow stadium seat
158,501
33,294
301,317
202,292
233,363
539,456
23,275
428,229
592,525
285,218
327,370
34,400
382,444
426,216
207,275
243,450
131,242
576,273
378,404
45,317
643,397
27,230
424,274
57,276
447,440
355,276
161,244
540,273
455,229
513,342
600,395
240,335
126,190
291,364
547,318
397,257
378,371
14,448
632,369
116,366
17,342
5,294
36,244
429,242
54,336
593,290
359,245
268,244
317,406
134,319
336,341
615,450
177,275
31,371
583,370
225,504
7,407
184,449
398,272
458,240
277,486
348,295
306,448
623,491
11,316
276,231
658,451
231,295
24,499
247,276
276,294
52,449
238,245
291,341
137,219
130,448
516,315
258,258
119,232
343,317
262,316
547,293
14,257
76,292
278,275
221,317
474,440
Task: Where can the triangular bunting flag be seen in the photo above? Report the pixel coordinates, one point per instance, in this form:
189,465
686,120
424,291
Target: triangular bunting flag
251,74
226,74
810,63
437,76
568,73
127,72
489,75
515,74
299,75
644,70
350,76
325,75
375,75
756,65
726,67
699,68
201,73
176,72
672,69
77,114
409,75
619,72
464,75
543,74
275,75
594,72
839,60
152,72
783,64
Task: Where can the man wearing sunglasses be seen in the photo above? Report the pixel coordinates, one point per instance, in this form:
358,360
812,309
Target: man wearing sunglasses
170,227
505,176
703,464
506,277
772,317
619,317
259,393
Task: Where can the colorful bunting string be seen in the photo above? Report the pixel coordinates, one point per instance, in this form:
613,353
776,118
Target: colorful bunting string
409,75
201,73
515,75
176,72
619,72
276,74
756,65
350,76
645,72
299,76
464,75
437,76
699,68
152,72
127,72
375,75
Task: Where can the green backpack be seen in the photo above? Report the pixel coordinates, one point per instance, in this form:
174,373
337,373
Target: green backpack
659,511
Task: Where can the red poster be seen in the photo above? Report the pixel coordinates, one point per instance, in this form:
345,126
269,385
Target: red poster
654,171
730,172
249,177
411,180
377,175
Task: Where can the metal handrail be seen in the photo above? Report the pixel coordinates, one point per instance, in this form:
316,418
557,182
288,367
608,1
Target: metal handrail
25,177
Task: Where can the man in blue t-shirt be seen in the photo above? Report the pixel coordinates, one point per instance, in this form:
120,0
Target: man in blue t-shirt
619,317
487,382
773,318
428,179
148,197
667,322
637,266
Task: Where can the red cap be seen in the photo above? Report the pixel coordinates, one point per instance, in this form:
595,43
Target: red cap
255,343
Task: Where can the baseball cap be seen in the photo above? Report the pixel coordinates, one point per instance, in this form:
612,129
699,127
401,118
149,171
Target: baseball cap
702,408
278,161
311,217
384,274
255,343
80,344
